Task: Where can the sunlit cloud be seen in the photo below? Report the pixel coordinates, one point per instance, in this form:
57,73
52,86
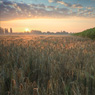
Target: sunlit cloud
19,10
67,4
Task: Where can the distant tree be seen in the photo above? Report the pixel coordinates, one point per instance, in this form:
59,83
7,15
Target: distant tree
48,32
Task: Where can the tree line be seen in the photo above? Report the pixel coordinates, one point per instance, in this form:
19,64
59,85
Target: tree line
48,32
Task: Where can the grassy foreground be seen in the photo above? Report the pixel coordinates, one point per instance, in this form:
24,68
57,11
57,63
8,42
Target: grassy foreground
87,33
47,65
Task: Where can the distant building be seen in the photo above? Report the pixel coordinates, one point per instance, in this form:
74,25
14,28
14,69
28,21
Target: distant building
11,30
6,31
1,30
36,32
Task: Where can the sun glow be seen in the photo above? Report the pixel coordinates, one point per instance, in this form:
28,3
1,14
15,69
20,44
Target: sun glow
52,25
27,30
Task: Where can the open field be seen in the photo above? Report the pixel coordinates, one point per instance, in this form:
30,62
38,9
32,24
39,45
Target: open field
47,65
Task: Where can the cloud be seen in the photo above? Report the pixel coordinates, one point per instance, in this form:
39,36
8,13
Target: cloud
1,2
51,7
12,10
54,0
64,3
41,6
67,4
70,5
7,2
51,1
63,10
77,6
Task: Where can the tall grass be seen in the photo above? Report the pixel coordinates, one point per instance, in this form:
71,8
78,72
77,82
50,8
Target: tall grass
47,65
90,33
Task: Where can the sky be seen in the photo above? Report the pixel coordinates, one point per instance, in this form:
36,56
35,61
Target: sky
47,15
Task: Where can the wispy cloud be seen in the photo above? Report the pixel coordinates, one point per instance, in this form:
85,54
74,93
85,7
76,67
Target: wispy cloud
67,4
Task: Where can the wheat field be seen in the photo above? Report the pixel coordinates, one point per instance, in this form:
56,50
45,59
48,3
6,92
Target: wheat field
46,65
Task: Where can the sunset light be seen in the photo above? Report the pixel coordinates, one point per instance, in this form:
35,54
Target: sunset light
75,24
27,30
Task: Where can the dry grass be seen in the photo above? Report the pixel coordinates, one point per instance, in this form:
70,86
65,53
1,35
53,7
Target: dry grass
47,65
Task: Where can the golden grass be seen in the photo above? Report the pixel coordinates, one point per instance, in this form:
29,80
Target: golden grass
46,65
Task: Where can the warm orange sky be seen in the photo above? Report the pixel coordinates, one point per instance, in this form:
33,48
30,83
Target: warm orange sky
73,24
